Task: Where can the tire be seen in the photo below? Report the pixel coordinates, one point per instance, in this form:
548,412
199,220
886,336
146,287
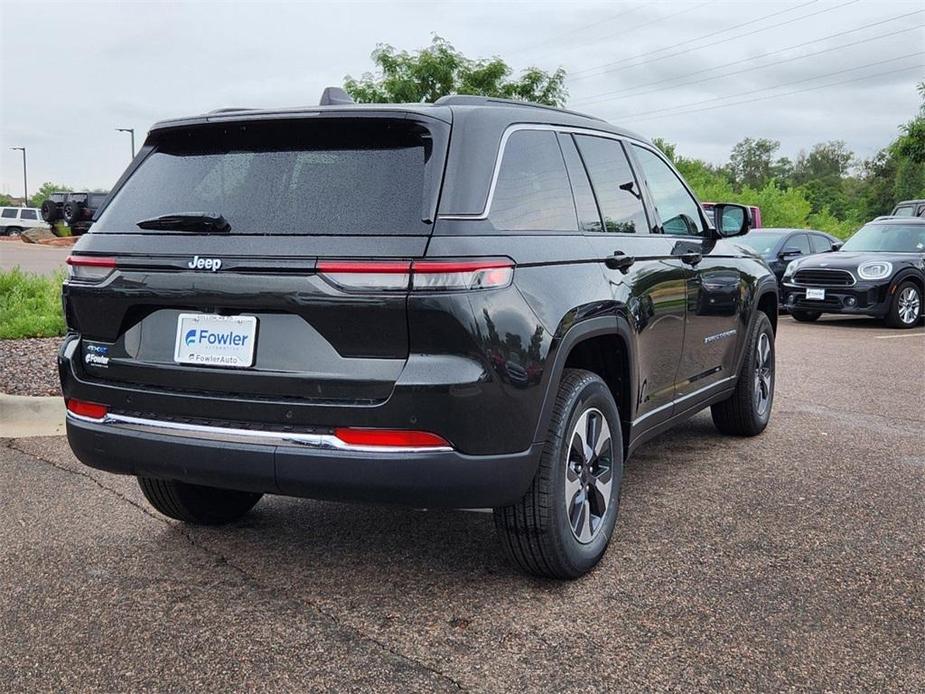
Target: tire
12,231
805,316
73,211
537,532
51,213
906,307
747,411
192,503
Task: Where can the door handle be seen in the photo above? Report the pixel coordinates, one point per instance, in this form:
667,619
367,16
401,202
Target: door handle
691,257
619,261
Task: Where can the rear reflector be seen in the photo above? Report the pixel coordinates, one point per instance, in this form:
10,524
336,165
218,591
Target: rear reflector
419,275
87,409
390,438
90,267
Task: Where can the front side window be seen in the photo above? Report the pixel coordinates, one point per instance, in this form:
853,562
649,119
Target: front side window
9,213
28,214
679,212
617,191
532,192
821,244
800,242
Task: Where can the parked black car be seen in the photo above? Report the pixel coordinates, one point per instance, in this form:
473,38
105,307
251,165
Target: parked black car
880,272
472,303
909,208
780,246
77,209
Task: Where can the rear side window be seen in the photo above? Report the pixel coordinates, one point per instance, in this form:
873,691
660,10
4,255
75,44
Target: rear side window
532,192
904,211
615,185
589,217
28,214
9,213
333,177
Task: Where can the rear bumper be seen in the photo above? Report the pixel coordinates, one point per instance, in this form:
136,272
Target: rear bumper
274,465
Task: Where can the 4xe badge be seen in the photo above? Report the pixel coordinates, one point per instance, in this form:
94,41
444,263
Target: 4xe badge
198,263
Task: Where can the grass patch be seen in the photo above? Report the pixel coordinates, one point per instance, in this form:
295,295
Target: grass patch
30,305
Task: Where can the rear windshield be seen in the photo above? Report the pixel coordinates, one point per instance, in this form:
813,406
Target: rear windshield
334,177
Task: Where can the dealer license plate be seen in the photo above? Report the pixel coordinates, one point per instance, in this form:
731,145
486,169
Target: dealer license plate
815,294
209,340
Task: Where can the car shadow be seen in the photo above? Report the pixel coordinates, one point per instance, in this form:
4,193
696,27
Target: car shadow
302,541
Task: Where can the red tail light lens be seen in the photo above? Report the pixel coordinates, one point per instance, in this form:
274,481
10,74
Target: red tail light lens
390,438
90,268
386,275
419,275
83,408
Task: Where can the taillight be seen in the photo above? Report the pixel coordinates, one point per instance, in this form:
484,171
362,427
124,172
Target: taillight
374,274
90,268
418,275
83,408
487,273
390,438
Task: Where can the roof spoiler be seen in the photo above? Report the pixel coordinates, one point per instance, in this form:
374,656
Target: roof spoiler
334,96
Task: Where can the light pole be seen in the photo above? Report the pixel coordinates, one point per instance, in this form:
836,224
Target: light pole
25,183
130,131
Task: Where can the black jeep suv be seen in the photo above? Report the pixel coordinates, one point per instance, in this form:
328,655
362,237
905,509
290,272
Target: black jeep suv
472,303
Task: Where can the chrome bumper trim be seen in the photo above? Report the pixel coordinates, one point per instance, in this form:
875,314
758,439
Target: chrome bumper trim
230,435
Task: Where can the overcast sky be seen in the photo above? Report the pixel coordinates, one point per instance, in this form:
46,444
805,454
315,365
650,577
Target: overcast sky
807,71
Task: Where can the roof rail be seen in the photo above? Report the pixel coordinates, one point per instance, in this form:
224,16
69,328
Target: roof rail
229,110
472,100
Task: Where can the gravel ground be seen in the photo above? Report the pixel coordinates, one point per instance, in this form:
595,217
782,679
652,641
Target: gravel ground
29,367
792,561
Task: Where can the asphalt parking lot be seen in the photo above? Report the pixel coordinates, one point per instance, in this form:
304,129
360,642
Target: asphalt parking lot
30,257
795,560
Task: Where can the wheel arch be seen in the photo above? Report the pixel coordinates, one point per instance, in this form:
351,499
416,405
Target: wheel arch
602,345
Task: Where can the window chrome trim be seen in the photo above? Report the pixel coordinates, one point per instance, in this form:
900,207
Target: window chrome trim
230,434
517,127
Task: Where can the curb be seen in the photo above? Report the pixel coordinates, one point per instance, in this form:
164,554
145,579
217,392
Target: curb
22,416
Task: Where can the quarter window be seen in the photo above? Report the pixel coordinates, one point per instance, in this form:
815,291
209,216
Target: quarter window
617,191
677,209
532,192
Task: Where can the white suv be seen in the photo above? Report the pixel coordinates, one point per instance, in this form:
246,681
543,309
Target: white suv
14,220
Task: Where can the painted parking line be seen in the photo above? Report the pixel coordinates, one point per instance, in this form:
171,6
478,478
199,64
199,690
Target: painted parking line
893,337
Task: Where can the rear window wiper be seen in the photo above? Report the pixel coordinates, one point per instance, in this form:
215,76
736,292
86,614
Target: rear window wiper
207,222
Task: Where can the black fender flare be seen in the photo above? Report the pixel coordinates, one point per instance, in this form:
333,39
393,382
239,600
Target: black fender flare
764,286
905,274
562,346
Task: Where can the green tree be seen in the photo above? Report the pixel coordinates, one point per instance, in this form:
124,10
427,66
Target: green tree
439,70
5,200
826,160
752,162
44,191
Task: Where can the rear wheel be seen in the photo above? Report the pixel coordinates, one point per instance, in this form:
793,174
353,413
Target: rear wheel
906,308
748,410
562,525
805,316
193,503
13,231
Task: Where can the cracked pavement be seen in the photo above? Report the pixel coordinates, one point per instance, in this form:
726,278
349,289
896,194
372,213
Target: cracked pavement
795,560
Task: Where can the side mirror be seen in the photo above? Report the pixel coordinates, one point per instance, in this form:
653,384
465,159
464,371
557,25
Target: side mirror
731,219
790,252
837,245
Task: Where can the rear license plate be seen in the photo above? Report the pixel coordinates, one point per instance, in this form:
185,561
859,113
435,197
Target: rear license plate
210,340
815,294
